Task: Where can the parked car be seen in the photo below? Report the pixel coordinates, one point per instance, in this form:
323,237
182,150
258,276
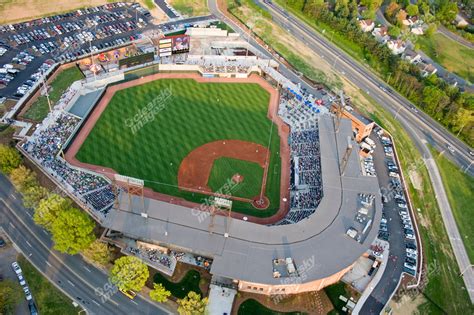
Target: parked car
27,293
16,268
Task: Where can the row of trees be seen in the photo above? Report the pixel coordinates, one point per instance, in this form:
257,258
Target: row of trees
72,230
130,273
11,295
454,109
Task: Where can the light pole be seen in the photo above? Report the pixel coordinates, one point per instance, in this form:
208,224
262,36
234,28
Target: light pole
465,269
45,91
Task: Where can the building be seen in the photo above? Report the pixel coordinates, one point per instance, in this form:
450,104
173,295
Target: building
397,46
412,56
427,69
381,34
361,126
366,25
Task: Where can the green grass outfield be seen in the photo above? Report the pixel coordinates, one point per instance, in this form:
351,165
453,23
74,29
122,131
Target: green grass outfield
223,170
39,109
195,114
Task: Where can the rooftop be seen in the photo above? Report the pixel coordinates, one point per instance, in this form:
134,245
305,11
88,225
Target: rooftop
244,250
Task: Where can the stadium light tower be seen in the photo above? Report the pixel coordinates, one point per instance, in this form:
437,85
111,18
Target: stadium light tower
346,156
45,91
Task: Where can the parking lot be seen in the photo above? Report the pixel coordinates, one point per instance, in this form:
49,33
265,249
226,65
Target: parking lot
396,226
8,255
28,49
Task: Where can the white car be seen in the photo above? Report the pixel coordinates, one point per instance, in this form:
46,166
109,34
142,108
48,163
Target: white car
27,293
412,251
16,268
411,255
21,280
410,236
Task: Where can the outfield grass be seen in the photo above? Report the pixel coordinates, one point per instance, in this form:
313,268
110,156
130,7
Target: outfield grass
190,7
190,282
40,108
460,189
50,301
195,114
450,54
252,307
223,170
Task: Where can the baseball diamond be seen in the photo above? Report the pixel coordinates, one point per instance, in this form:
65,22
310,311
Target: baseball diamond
155,129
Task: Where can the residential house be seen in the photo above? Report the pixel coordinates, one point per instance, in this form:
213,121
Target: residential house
411,56
460,22
366,25
381,34
412,20
417,30
427,69
397,46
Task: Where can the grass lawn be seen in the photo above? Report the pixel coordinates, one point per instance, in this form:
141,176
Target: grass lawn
451,55
190,7
333,292
223,170
190,282
39,109
252,307
460,189
195,114
48,299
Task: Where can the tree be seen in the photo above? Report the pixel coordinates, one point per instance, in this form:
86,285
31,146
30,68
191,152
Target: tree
22,178
392,9
9,159
33,195
447,11
98,252
192,304
412,9
159,293
73,231
401,15
129,273
48,210
394,31
430,30
11,295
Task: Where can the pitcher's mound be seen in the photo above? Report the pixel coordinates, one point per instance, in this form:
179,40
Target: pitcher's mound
237,178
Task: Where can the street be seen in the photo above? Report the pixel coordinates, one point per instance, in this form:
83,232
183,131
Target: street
71,274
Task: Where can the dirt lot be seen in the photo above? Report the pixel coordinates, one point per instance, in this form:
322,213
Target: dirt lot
24,10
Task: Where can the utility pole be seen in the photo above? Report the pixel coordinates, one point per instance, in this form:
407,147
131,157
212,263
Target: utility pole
45,91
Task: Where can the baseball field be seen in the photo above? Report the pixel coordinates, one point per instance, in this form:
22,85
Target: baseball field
146,131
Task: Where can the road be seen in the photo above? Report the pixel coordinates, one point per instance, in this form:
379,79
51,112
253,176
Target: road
434,133
71,274
421,128
460,40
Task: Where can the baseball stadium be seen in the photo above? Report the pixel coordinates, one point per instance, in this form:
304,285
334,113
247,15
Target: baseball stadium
220,158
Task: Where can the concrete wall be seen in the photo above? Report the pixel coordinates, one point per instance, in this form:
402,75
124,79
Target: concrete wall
290,286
